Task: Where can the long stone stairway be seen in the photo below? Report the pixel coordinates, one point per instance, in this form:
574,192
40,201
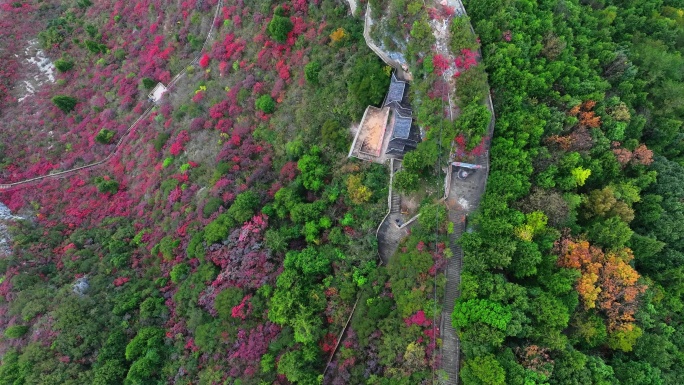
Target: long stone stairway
451,345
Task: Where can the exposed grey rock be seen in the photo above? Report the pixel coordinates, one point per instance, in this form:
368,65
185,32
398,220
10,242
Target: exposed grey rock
81,286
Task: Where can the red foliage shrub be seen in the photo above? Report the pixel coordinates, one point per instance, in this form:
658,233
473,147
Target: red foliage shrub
251,346
223,67
467,59
190,345
245,264
198,97
218,110
480,148
418,319
328,342
283,70
448,11
120,281
178,145
288,172
204,61
239,311
197,124
441,64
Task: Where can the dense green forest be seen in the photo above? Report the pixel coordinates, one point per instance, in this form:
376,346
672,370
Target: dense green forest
574,273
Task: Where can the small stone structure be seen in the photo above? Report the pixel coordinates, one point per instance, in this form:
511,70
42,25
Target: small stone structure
157,92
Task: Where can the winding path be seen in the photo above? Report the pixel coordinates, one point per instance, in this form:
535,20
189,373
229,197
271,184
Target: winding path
398,66
352,6
145,114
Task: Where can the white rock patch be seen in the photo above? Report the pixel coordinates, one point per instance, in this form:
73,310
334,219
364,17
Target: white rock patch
45,67
464,203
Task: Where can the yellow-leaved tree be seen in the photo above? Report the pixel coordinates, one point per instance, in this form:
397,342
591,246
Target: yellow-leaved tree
338,35
358,193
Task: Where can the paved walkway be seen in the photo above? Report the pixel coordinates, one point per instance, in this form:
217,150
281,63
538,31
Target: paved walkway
450,341
389,234
394,228
463,198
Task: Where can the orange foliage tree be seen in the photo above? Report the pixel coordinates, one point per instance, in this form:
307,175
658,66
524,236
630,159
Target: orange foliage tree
621,288
587,259
607,279
587,117
643,155
564,142
580,138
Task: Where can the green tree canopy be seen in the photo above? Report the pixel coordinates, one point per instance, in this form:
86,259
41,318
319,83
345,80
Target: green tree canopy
64,65
367,82
313,169
279,27
480,310
65,103
265,103
311,71
484,370
104,136
16,331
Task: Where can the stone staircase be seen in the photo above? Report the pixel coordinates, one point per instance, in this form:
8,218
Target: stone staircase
451,345
395,206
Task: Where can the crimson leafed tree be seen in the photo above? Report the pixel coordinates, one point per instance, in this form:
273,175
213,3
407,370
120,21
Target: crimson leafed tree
204,61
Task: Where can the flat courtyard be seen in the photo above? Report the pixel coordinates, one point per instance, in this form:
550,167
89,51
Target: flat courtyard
369,143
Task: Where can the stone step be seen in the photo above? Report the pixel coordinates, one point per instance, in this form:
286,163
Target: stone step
395,204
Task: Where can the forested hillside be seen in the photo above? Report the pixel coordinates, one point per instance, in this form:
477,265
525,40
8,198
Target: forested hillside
574,273
227,237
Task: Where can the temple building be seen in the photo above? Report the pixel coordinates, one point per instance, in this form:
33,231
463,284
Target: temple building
404,135
389,131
